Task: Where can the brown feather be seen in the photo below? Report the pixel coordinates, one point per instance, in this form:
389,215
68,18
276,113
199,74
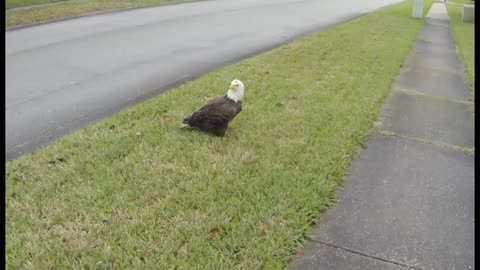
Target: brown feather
215,116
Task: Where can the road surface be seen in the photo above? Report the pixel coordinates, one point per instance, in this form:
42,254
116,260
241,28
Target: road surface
64,75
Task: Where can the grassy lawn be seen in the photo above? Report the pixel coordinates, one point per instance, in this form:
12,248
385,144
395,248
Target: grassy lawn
71,9
461,2
464,37
23,3
104,197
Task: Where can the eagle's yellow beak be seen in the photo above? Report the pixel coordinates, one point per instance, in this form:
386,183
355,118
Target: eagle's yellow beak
232,87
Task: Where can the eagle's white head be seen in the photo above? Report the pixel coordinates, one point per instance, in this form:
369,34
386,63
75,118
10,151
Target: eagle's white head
235,91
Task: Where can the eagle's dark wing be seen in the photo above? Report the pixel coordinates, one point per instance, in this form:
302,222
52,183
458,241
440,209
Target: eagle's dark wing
215,115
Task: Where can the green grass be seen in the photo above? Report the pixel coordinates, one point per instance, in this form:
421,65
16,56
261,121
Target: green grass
106,198
462,2
23,3
72,9
464,37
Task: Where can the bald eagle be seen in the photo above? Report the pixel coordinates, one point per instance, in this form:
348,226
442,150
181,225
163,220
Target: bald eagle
216,114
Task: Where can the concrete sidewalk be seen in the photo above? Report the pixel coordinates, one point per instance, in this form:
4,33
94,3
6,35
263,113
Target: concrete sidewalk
408,202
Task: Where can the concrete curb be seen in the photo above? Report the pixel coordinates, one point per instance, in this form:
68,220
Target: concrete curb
99,13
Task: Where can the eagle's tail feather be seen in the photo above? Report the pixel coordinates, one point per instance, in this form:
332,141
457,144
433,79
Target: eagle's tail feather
183,125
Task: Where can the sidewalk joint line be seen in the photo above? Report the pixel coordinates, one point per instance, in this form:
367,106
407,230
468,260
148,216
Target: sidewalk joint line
418,93
467,150
365,255
429,67
420,40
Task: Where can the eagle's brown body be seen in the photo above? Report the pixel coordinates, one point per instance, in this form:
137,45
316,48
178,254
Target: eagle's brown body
214,116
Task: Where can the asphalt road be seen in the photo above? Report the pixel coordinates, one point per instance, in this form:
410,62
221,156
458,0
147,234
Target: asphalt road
64,75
